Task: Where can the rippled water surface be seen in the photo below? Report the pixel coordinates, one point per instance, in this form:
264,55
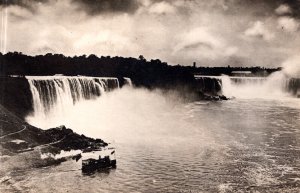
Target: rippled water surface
237,145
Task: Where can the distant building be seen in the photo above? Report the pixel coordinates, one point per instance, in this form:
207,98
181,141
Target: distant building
194,64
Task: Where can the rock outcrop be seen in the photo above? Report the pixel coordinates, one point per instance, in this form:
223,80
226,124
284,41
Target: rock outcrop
18,136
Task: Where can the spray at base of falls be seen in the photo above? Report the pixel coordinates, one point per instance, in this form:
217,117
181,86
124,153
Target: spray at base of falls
279,85
273,87
276,86
127,114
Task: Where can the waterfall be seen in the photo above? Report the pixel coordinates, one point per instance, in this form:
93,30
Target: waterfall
55,94
209,84
276,85
127,81
293,86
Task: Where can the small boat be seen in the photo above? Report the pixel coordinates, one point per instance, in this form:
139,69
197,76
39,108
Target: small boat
93,159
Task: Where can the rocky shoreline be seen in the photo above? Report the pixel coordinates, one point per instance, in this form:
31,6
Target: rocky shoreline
22,146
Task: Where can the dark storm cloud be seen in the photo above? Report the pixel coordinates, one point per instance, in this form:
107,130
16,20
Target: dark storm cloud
295,6
91,7
94,7
215,32
28,4
267,7
22,3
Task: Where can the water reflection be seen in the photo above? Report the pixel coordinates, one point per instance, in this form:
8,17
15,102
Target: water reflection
97,171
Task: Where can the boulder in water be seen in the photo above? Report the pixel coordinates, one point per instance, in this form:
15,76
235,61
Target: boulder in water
207,97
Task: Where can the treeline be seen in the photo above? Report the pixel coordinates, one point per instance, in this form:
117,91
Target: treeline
150,74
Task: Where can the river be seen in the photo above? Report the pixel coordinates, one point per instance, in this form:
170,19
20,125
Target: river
164,144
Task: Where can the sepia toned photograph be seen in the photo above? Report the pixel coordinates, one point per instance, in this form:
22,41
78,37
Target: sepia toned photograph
150,96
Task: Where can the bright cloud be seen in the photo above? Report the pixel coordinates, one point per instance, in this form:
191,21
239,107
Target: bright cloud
199,42
283,9
162,8
288,24
259,30
212,32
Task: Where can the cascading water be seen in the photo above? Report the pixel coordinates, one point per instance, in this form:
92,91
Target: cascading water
209,84
127,81
54,95
277,85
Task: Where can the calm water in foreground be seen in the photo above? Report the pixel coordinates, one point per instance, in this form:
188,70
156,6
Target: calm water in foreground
238,145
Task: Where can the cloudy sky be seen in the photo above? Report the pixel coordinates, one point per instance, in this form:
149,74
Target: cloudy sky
210,32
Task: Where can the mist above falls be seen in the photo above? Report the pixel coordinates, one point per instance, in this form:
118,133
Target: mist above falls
278,85
128,114
272,87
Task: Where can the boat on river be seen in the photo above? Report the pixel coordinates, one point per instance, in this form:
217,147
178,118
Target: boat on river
99,158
